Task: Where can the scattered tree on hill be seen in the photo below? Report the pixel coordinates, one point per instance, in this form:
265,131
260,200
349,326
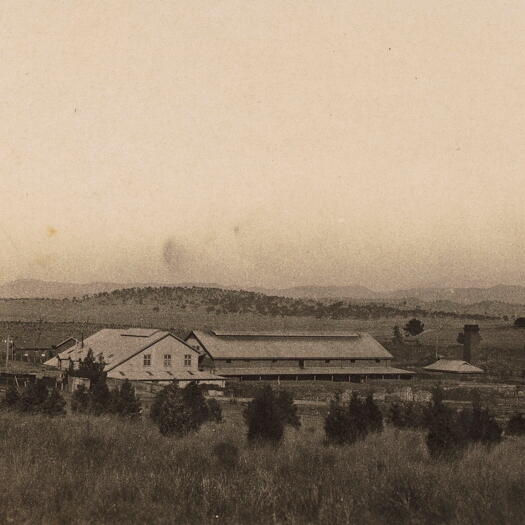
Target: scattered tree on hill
268,413
414,327
398,335
516,425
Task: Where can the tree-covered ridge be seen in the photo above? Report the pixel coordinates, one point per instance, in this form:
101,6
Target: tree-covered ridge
224,301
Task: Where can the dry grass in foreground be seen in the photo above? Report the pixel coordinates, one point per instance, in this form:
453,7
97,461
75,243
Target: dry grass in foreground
103,470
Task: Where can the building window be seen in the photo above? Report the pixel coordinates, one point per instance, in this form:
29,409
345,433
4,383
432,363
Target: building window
147,359
167,359
327,360
187,359
228,360
378,360
352,360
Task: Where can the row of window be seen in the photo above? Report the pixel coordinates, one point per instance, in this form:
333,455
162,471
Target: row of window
167,360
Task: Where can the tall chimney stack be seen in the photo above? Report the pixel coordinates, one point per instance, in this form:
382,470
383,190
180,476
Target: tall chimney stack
471,339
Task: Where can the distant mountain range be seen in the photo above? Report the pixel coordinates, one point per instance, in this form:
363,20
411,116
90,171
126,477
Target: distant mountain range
511,294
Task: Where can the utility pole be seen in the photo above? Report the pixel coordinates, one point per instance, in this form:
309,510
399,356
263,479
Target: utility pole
7,341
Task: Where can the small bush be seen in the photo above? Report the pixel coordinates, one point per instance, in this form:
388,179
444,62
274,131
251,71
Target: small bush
516,425
33,396
214,411
12,397
227,454
351,423
54,405
80,400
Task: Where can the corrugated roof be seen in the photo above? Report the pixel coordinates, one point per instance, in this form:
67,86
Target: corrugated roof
247,333
283,346
164,375
453,365
357,370
114,345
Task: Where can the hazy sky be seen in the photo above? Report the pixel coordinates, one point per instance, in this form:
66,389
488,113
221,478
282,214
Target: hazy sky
270,143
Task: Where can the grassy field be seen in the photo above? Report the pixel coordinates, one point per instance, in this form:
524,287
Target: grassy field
103,470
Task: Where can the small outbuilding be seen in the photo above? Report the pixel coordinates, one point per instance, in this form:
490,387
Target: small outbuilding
453,366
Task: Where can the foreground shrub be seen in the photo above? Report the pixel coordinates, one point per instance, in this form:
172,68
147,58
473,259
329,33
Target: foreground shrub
408,415
516,425
54,405
215,411
179,411
351,423
124,401
33,396
268,413
80,400
12,397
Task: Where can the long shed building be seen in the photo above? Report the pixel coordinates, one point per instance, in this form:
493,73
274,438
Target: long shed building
336,356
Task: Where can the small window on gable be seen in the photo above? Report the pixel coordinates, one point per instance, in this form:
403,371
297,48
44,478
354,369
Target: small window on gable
167,360
187,359
147,360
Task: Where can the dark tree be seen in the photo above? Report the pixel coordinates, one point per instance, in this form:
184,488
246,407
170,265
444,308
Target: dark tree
179,411
516,425
288,409
398,336
373,415
124,401
12,397
89,367
214,411
33,396
414,327
336,423
54,405
267,414
445,438
100,397
80,400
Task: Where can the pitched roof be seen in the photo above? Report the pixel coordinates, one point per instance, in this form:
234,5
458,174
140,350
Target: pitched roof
292,345
115,345
453,365
271,371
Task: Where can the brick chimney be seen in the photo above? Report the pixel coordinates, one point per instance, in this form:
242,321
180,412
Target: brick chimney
471,339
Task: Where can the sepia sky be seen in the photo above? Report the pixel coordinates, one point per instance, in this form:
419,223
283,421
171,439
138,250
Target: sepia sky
266,143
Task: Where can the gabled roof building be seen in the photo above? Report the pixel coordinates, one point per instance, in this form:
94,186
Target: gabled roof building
248,355
139,354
